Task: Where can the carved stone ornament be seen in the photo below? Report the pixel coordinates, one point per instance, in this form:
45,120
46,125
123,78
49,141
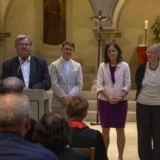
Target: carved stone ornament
103,12
3,36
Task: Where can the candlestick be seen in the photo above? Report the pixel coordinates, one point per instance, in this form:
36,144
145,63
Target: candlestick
146,24
0,26
145,36
1,21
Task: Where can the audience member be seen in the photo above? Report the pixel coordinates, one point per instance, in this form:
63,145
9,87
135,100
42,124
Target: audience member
14,84
14,123
31,70
82,135
53,132
11,84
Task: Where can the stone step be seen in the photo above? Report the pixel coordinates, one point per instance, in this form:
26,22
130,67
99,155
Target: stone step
131,116
89,95
132,105
93,95
89,77
88,69
91,116
87,86
93,105
132,94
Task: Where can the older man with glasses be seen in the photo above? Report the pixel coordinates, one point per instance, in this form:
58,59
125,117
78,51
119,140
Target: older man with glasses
31,70
66,78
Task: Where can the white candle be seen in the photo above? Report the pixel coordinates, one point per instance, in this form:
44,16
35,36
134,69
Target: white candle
146,24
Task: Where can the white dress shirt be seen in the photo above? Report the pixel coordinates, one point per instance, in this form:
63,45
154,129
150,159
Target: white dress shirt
25,67
66,65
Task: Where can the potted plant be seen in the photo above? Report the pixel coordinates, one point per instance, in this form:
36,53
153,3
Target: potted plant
155,28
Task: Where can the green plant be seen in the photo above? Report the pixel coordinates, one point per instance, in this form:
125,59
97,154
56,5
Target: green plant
155,28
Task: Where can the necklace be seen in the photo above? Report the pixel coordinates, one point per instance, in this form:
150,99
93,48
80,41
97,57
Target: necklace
113,65
154,68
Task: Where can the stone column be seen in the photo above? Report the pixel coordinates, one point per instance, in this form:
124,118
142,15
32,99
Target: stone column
3,36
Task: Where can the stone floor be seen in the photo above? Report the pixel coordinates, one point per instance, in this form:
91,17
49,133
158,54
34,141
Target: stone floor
130,152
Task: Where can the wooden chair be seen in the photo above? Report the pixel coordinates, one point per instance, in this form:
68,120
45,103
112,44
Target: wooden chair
88,152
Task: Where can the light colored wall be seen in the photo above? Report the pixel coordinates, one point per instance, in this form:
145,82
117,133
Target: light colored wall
19,20
78,29
3,7
81,29
25,17
131,25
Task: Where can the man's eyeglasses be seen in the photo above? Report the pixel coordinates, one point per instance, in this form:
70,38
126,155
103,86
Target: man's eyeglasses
68,49
150,52
23,44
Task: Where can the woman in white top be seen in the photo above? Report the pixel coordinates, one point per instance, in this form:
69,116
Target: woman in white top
113,84
148,105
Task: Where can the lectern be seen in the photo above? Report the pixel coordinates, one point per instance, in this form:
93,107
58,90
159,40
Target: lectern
39,101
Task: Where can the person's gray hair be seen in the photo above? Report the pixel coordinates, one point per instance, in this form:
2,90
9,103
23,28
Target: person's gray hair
14,109
155,47
11,84
21,37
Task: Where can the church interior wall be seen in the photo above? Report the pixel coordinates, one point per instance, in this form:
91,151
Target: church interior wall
25,17
82,34
131,25
19,19
29,20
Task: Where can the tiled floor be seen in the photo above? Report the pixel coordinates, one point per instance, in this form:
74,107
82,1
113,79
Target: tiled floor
130,152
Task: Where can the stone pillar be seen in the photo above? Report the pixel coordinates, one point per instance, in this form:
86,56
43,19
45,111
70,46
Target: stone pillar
3,36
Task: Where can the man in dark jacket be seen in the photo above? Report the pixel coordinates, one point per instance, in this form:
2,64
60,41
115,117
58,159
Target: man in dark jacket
31,70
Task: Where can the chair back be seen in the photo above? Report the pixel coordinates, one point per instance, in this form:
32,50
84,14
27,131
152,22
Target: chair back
88,152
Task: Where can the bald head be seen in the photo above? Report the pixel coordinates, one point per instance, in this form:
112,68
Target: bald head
11,84
14,109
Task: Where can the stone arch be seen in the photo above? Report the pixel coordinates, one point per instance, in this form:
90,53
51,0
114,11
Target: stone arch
109,7
118,10
6,7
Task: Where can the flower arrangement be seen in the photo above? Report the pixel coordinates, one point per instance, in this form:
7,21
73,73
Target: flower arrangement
155,28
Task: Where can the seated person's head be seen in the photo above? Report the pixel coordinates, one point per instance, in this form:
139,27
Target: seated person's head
77,108
14,113
52,131
11,84
15,85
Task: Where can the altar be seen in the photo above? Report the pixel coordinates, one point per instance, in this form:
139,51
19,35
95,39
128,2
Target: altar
142,56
